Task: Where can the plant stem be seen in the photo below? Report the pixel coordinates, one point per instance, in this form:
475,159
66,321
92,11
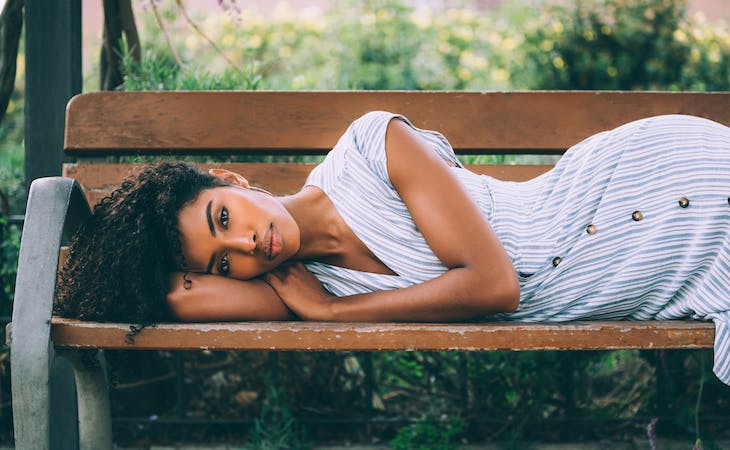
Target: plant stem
167,36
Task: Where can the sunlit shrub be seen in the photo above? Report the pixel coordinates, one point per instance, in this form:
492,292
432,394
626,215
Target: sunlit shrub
377,44
623,44
387,44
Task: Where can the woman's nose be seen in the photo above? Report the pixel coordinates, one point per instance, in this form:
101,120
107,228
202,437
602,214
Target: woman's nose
246,243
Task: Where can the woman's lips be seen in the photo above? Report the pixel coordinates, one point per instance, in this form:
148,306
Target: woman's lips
272,242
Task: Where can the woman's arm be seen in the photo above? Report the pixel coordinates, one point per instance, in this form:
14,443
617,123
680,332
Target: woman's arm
211,298
480,280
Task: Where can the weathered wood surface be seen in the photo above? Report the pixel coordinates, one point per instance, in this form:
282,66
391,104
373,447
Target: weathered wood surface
155,122
98,180
387,336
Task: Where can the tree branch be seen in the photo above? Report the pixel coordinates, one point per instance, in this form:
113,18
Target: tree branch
118,19
167,36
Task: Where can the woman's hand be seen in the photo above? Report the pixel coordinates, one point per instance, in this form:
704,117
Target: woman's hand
301,291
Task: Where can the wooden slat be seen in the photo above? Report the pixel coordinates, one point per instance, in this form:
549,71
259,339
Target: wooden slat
278,121
98,180
278,178
387,336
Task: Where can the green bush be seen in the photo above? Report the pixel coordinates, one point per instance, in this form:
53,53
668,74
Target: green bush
158,71
9,247
276,428
432,434
624,44
376,44
388,44
12,196
12,156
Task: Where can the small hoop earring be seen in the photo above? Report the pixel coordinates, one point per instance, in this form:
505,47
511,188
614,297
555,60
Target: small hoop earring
187,282
258,189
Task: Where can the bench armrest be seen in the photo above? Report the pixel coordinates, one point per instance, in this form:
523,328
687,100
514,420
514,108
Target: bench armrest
56,207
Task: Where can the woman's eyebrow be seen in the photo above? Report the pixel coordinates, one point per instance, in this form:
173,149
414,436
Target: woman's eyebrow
212,232
210,219
210,264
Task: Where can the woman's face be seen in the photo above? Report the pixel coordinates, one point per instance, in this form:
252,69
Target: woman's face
236,232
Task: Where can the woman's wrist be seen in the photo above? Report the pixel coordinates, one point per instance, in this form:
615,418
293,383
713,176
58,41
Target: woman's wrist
322,309
330,308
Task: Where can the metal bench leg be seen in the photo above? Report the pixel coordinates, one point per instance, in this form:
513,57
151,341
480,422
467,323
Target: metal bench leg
64,429
92,395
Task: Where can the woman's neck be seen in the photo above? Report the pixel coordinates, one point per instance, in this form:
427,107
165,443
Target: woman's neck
319,229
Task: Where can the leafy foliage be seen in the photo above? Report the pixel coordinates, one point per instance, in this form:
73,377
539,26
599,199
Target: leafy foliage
12,197
545,44
624,44
276,428
430,434
9,247
158,71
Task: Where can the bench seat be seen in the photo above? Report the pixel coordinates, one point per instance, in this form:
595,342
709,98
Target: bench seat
68,333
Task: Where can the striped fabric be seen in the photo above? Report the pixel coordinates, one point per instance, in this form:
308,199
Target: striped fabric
631,224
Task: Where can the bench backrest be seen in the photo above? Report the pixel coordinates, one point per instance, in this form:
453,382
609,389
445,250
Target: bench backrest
234,124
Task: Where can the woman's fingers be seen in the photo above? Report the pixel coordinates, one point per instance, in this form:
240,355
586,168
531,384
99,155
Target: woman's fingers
272,275
300,290
281,278
287,272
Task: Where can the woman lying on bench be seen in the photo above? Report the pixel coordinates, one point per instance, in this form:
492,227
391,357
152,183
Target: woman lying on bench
631,224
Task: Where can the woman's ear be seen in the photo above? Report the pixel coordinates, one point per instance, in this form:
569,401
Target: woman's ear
233,178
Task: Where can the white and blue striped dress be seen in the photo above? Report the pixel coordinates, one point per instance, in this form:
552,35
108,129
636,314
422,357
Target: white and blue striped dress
631,224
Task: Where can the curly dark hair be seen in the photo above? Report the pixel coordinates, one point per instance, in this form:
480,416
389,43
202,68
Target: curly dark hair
119,261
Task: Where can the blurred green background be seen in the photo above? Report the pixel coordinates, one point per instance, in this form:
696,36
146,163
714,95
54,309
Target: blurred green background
395,44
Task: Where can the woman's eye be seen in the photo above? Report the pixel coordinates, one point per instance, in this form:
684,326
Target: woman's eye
224,266
224,217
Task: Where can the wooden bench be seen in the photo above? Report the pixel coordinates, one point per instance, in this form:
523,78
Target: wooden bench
281,124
